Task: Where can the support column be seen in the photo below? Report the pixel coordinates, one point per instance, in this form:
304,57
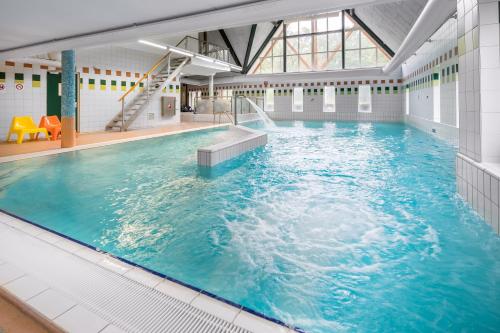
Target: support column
68,133
478,179
211,86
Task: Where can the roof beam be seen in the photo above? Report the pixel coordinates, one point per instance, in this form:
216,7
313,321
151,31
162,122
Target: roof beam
230,47
277,25
249,46
370,32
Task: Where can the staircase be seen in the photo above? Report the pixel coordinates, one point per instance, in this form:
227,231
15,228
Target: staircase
152,85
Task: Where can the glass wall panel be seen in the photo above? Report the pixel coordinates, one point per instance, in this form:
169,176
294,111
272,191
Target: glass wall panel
315,44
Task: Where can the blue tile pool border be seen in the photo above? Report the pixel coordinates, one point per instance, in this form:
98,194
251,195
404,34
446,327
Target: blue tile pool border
201,291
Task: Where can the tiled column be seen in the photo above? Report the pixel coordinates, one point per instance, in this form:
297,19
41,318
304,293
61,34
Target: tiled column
479,66
68,107
479,106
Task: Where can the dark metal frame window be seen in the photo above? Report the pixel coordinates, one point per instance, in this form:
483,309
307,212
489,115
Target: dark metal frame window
319,43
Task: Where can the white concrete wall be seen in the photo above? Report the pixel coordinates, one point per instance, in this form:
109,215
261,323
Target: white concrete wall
430,95
28,101
98,107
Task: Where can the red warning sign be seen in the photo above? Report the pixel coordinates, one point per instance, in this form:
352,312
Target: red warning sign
2,87
19,86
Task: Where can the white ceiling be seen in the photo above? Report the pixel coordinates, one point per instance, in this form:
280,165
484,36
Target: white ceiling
391,22
34,27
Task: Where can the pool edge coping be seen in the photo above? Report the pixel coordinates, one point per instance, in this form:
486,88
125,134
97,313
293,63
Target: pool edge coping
18,157
158,274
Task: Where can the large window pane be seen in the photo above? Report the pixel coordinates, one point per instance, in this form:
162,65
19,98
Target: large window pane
292,45
305,27
266,66
335,22
305,63
382,59
292,63
277,64
321,60
305,44
321,25
278,47
292,28
352,40
368,57
352,59
334,41
334,61
321,43
324,33
366,42
349,24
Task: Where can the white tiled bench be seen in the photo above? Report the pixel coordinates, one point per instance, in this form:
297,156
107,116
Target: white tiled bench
220,152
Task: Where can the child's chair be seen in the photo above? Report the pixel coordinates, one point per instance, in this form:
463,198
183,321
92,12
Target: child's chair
24,125
52,125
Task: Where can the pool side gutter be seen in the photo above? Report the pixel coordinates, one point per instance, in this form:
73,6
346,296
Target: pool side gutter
247,320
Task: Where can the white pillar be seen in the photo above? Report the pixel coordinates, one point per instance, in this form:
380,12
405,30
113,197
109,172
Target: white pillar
211,86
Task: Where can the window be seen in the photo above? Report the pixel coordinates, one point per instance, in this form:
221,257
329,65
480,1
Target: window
271,59
436,98
298,100
365,99
329,99
269,104
315,44
407,100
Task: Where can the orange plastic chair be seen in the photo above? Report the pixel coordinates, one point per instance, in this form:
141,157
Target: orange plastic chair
24,125
52,125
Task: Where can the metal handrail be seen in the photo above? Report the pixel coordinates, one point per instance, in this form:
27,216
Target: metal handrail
155,66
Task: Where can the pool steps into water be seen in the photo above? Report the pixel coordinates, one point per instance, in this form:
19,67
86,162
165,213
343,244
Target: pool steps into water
83,290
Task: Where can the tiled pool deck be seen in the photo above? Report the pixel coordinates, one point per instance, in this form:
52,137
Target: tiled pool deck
82,289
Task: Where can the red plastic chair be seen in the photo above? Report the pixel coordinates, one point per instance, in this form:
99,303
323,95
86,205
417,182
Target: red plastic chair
52,124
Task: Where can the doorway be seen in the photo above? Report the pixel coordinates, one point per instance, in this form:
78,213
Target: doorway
54,90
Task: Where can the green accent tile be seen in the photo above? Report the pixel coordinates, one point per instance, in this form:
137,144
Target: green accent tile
2,75
113,82
387,90
35,77
103,82
124,84
18,76
141,85
91,81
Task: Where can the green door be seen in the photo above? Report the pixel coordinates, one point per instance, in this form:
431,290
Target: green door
54,97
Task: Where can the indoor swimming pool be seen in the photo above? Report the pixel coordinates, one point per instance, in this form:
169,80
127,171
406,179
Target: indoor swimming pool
349,227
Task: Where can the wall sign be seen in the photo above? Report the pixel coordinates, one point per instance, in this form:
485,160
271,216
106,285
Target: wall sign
19,86
2,87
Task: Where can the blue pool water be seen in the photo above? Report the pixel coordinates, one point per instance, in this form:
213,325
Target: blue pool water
331,227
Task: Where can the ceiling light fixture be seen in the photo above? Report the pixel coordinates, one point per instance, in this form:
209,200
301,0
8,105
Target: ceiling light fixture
145,42
181,52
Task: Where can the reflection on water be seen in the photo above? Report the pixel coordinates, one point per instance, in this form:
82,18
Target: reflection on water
330,227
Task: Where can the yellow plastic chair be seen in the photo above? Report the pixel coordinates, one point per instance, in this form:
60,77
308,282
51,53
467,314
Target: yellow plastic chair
25,125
